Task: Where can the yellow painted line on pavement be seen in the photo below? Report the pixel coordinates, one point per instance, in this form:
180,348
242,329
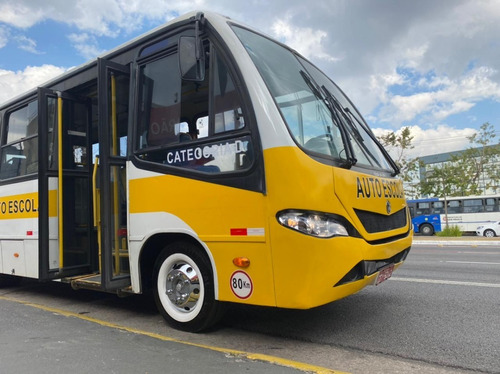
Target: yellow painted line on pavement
250,356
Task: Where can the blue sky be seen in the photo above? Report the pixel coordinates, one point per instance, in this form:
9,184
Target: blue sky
431,65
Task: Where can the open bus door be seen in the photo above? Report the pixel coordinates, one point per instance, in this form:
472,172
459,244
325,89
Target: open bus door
111,212
83,182
66,238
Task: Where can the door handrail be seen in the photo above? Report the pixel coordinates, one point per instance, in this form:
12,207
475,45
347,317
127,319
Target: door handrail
60,178
94,190
97,212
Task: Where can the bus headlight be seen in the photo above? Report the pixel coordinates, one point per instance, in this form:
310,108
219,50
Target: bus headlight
320,225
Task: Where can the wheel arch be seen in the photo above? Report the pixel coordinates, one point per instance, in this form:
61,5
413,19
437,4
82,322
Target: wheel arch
152,248
491,231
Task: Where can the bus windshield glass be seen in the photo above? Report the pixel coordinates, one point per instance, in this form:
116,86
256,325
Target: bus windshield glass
321,119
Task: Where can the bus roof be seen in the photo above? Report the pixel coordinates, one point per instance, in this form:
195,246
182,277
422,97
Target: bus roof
430,199
426,200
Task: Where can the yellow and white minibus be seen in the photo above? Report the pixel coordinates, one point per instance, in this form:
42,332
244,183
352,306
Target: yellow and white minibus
204,161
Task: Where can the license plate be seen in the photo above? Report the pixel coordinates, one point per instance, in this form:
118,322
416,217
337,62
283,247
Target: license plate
384,274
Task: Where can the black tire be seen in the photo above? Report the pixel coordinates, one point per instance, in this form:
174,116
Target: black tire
426,229
489,233
183,287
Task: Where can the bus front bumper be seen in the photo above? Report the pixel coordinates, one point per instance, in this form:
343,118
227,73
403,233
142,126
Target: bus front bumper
370,270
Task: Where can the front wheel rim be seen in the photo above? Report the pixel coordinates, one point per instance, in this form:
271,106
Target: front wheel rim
180,287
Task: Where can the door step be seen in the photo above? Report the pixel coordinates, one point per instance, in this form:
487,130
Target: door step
89,282
94,282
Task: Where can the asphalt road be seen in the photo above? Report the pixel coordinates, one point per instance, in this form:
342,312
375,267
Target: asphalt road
437,314
441,307
34,340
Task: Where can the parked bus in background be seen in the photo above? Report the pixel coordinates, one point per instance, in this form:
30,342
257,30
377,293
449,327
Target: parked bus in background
467,213
203,160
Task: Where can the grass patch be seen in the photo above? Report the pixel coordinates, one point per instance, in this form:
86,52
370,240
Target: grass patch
450,231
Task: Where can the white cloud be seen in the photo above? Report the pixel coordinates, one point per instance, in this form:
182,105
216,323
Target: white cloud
22,14
405,108
449,97
452,108
439,139
15,83
419,61
306,40
99,17
4,36
27,44
86,45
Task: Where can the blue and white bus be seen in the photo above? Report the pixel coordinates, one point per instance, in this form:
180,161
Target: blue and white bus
430,216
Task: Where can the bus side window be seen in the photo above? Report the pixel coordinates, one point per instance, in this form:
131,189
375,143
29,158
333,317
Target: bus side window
473,206
19,150
160,107
438,207
423,208
491,205
228,115
454,206
181,120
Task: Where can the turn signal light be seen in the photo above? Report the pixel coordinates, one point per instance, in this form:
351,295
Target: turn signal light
241,262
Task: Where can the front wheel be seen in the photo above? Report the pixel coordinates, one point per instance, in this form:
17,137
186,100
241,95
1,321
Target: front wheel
489,233
426,229
184,288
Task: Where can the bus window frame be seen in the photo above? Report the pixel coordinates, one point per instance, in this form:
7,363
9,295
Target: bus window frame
472,208
494,206
4,123
423,208
454,209
250,178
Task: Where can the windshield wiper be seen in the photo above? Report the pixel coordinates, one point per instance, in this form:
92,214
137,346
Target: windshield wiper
350,160
353,130
371,135
339,108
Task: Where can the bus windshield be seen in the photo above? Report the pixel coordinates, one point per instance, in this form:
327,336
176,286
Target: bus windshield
321,119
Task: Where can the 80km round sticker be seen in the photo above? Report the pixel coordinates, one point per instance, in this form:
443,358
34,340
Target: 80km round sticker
241,284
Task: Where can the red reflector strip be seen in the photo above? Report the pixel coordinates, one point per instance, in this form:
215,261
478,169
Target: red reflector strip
29,233
248,232
238,232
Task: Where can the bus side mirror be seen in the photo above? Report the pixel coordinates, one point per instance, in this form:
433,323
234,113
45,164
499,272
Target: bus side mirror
191,59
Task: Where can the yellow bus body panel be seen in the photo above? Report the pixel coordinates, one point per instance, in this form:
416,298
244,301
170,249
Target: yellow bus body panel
212,211
19,206
307,268
287,268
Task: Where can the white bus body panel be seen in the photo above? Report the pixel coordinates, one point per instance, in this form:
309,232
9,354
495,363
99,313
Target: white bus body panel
18,235
143,226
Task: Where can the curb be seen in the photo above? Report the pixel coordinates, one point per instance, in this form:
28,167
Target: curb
474,243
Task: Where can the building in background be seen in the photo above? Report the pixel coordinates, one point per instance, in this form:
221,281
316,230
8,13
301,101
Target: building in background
432,161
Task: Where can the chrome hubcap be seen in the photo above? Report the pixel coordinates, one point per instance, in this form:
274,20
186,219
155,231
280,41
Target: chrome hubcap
183,287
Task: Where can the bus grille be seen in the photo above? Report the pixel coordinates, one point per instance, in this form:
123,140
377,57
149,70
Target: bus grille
374,222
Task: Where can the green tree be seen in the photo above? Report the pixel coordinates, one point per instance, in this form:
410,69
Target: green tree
472,172
441,181
398,144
